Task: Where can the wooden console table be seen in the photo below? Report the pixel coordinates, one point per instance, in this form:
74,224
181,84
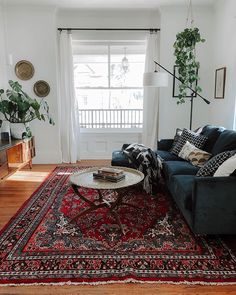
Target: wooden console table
15,154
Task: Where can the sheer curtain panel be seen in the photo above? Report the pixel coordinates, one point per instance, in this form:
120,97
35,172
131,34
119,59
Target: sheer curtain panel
68,112
150,95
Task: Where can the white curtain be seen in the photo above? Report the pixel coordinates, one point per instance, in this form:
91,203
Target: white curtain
68,108
150,95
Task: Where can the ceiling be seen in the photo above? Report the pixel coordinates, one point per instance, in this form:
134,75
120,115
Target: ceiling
107,4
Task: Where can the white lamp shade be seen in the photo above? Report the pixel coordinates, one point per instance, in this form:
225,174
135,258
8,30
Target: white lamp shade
155,79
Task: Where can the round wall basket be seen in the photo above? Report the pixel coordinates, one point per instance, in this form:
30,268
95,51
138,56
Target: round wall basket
24,70
41,88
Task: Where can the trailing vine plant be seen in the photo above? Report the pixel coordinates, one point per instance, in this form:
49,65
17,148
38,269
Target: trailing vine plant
188,66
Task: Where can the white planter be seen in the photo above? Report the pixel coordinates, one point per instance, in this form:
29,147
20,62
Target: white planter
17,130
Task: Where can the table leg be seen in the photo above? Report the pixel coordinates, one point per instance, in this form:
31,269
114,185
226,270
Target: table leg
117,217
86,211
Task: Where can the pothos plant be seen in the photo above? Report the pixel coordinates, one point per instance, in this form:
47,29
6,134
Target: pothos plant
188,66
17,107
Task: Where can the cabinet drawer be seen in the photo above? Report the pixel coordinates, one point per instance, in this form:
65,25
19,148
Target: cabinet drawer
3,170
14,154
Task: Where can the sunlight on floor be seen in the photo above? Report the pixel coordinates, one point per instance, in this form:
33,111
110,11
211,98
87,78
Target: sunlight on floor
35,176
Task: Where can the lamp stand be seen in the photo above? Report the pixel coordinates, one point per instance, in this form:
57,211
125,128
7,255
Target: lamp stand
191,110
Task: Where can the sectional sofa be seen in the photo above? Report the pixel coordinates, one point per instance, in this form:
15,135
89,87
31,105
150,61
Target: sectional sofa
207,203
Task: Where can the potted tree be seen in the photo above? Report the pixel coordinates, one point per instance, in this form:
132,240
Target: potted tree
19,109
187,65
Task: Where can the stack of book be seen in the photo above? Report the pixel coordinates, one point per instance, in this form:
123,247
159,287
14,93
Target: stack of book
109,174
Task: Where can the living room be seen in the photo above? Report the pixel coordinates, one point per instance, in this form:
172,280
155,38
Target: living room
29,33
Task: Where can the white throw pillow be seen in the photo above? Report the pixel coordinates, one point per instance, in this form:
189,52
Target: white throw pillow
227,167
186,150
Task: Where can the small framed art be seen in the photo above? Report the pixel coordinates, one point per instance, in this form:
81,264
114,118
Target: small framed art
220,76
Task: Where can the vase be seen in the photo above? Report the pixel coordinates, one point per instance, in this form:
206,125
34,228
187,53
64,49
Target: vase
5,131
19,130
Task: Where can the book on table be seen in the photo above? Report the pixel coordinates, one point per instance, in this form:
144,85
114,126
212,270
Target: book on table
110,171
113,178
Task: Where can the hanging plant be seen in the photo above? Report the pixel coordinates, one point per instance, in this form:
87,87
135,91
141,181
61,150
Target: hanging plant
188,66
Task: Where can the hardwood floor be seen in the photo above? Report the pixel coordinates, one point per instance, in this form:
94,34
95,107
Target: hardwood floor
18,187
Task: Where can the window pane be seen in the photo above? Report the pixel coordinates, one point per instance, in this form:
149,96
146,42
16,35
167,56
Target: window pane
104,108
110,99
127,65
91,66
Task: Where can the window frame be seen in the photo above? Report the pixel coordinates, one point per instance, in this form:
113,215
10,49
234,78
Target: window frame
109,44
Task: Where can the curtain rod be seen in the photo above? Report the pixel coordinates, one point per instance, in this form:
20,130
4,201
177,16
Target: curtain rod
108,29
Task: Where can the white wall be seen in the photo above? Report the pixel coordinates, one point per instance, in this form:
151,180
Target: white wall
222,111
108,18
172,115
2,50
31,35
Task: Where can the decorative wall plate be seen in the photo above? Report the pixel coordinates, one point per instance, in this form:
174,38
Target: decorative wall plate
24,70
41,88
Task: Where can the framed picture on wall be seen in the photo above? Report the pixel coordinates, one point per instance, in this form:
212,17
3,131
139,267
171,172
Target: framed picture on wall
176,83
220,76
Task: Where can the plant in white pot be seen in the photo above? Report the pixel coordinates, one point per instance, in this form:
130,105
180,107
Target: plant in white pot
19,109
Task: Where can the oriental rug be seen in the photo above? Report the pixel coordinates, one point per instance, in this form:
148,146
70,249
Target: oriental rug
40,246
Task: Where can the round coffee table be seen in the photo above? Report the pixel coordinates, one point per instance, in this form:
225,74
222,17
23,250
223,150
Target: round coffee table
85,179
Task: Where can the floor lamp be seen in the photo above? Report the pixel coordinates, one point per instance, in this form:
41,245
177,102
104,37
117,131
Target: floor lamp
160,79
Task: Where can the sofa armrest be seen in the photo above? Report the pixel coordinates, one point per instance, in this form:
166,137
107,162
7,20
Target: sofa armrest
214,205
165,144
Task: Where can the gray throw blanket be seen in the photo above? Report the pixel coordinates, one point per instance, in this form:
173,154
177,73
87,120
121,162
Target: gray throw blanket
145,160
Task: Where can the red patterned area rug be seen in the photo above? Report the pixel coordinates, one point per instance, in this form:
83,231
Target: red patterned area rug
39,246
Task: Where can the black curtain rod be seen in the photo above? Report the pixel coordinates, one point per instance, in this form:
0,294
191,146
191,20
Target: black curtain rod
108,29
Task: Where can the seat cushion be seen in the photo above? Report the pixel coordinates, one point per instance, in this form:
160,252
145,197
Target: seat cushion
167,156
212,133
181,187
225,142
178,168
120,159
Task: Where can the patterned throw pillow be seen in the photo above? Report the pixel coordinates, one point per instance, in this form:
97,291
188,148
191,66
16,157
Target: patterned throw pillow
194,155
187,135
178,133
198,157
213,164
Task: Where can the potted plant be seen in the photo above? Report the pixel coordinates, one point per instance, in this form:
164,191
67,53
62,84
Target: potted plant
188,66
18,108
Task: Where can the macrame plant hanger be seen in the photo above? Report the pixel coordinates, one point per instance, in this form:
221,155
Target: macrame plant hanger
189,19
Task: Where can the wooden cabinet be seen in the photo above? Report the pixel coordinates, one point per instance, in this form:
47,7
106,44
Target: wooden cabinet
15,155
3,164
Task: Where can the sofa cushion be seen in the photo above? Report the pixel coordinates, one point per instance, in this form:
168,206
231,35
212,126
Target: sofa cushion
214,163
178,168
212,133
167,156
182,185
225,142
192,137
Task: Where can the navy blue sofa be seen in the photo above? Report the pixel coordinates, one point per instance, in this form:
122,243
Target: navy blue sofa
207,203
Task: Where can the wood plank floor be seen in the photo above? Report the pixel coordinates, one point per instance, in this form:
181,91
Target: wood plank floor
18,187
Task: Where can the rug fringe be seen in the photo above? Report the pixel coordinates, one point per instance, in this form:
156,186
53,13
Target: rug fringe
69,283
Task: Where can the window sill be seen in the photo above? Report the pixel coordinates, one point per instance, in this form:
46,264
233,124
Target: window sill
111,130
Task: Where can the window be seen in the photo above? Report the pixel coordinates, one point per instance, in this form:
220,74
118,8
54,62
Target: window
108,84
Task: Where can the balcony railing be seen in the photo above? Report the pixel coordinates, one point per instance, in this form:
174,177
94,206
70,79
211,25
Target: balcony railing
111,118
